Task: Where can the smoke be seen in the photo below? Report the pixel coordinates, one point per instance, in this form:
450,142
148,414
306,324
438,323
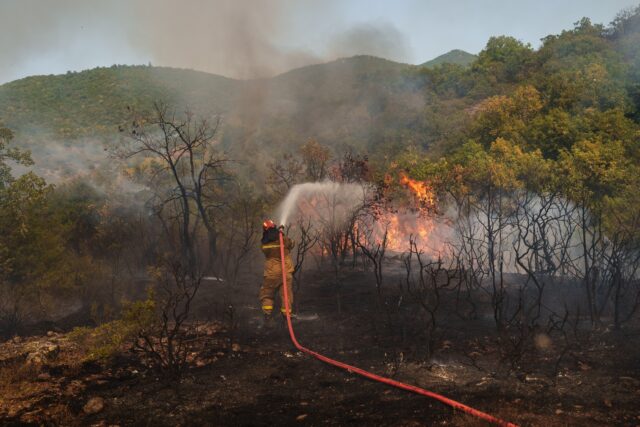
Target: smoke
376,39
248,39
85,160
225,37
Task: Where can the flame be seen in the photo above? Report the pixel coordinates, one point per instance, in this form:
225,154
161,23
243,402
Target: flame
400,224
422,191
400,227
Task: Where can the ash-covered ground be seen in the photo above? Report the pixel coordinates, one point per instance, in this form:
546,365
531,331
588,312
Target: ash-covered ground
240,375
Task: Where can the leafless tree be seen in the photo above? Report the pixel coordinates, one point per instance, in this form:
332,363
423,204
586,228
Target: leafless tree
190,167
166,338
308,238
238,231
372,245
336,228
284,173
541,244
425,281
315,157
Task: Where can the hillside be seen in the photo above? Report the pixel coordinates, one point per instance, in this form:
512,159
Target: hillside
336,100
94,101
456,56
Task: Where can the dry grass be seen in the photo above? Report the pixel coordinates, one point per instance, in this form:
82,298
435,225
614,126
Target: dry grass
17,372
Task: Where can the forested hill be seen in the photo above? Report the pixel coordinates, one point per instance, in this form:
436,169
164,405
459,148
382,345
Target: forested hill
456,57
580,84
342,96
94,101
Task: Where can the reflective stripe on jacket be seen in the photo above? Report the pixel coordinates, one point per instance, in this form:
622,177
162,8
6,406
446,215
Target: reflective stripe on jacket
271,251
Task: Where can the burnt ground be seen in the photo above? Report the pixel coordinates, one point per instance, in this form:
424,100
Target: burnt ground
243,376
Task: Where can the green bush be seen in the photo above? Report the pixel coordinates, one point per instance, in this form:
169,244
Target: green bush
107,340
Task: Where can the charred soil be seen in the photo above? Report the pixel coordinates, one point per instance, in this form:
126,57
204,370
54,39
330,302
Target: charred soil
242,375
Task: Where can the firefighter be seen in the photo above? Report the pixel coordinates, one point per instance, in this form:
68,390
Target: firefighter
273,270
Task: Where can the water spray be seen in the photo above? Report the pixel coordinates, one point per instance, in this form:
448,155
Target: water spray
340,195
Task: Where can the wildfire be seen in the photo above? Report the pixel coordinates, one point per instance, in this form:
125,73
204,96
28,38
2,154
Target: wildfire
420,189
401,226
328,213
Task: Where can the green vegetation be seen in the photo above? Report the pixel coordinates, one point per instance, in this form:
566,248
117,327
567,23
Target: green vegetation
95,102
454,57
108,339
561,121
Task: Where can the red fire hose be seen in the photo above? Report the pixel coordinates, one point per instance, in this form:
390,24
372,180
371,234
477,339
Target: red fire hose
349,368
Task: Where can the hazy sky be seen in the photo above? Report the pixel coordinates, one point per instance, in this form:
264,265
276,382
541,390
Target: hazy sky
248,38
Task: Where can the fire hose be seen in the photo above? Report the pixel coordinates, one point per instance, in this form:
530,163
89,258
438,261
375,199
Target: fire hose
366,374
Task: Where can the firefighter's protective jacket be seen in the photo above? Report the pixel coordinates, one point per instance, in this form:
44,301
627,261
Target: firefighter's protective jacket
271,250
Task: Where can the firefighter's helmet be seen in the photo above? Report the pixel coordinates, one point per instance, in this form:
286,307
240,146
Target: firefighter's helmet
267,224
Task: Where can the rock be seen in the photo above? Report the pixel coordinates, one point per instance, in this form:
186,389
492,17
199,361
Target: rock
52,349
93,406
74,388
44,377
35,359
43,353
542,342
583,366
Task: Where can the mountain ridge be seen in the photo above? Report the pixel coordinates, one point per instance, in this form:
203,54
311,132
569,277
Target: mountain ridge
455,56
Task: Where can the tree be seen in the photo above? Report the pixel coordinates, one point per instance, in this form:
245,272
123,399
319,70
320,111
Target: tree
507,117
594,173
504,58
316,159
625,23
284,173
353,167
33,257
188,171
32,245
8,153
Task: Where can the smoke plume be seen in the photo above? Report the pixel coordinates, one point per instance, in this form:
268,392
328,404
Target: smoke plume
247,39
376,39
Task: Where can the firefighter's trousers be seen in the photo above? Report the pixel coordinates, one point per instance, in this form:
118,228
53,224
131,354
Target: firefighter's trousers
273,282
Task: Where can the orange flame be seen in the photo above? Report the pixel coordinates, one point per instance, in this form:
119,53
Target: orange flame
421,189
401,226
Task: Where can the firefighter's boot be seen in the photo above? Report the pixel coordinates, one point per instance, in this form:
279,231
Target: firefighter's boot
293,316
268,322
